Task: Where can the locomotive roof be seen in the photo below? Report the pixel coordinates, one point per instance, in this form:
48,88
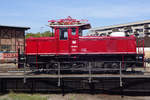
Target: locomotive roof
83,26
69,22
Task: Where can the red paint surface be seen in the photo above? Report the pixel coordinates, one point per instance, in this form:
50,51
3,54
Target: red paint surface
81,45
107,45
41,45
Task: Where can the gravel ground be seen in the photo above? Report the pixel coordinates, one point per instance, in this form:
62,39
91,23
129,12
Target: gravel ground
94,97
74,97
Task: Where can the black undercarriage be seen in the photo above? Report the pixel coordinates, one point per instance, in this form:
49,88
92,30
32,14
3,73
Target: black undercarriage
103,62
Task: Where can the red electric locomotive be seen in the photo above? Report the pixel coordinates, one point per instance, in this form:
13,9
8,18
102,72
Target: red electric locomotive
72,50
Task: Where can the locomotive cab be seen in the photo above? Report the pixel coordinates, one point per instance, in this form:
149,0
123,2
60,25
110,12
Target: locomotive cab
67,32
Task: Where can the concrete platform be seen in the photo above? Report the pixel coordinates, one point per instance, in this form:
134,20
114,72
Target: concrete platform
22,75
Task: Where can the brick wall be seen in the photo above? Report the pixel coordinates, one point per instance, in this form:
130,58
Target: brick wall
11,39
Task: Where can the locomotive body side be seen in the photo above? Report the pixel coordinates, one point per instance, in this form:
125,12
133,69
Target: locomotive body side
72,50
82,45
107,45
44,51
38,46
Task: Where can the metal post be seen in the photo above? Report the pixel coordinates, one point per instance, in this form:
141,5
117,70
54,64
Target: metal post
120,74
24,64
59,80
90,73
121,85
59,74
91,84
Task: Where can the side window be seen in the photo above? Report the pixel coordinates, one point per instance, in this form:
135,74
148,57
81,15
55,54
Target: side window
63,34
73,31
80,32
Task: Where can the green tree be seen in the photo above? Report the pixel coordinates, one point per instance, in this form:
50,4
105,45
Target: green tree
38,34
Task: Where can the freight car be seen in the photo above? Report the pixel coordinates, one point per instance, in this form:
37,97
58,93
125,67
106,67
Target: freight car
70,49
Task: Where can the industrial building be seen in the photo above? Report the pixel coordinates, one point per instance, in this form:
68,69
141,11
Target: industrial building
11,38
142,27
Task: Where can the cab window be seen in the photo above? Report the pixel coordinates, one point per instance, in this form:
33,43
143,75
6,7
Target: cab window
73,31
80,32
63,34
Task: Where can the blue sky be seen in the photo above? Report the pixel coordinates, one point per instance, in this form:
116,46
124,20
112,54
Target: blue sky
36,13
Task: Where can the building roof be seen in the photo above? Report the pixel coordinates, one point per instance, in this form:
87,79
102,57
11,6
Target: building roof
122,25
26,28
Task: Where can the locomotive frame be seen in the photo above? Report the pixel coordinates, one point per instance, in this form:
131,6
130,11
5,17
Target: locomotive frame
65,49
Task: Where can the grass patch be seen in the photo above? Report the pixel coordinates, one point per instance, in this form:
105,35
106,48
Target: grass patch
5,99
22,96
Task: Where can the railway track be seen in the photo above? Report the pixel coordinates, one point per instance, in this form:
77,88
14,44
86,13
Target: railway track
26,80
20,73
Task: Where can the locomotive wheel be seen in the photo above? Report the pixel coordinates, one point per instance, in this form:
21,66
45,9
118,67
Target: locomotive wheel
51,68
111,67
115,65
106,67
